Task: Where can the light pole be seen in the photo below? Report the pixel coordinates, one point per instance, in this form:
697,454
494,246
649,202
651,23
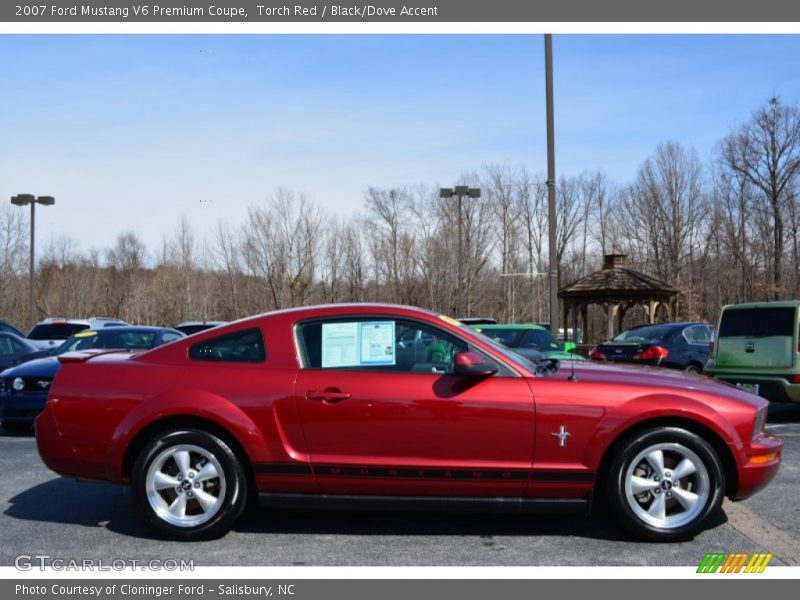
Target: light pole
22,200
551,183
460,192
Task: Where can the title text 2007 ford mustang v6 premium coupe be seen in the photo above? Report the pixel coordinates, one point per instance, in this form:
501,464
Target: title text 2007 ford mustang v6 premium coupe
385,405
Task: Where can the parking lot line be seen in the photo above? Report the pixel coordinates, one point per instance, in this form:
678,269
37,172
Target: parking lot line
784,546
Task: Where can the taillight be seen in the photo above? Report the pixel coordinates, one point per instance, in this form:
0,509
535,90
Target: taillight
795,378
595,354
652,353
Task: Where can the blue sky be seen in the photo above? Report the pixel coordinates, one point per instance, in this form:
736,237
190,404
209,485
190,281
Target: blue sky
131,132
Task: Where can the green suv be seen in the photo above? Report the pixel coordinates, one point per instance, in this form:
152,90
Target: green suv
756,348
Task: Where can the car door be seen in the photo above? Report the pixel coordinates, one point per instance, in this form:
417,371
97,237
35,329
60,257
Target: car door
379,418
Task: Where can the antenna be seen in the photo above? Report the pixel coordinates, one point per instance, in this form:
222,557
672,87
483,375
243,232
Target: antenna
572,376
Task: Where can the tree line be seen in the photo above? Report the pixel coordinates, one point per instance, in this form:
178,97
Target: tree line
722,230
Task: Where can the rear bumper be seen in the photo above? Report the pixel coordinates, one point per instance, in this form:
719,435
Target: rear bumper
21,407
774,388
761,462
61,455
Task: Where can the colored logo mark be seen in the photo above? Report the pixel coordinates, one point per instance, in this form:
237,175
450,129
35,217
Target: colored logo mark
740,562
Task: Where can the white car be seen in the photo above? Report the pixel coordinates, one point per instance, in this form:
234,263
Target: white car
50,333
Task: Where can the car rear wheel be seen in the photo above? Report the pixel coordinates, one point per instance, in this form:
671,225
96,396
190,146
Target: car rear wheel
190,485
665,484
693,369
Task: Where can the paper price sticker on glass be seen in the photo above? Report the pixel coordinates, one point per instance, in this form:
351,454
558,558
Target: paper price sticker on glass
357,343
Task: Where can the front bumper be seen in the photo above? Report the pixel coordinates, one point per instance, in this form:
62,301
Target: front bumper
21,407
761,462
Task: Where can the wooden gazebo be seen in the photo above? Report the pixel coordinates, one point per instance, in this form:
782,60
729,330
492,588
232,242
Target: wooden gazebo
617,289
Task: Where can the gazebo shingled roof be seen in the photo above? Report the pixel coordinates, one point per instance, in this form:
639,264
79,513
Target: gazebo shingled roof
615,279
617,288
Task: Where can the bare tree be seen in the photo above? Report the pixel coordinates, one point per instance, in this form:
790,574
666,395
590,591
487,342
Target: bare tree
765,151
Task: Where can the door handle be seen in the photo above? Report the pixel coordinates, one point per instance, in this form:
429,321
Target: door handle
327,395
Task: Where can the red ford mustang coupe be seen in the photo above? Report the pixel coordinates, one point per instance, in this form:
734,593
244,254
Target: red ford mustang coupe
380,405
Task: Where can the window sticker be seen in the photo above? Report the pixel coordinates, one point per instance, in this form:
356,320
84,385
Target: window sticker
340,345
358,343
377,343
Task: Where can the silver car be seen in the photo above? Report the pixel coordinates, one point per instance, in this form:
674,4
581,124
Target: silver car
50,333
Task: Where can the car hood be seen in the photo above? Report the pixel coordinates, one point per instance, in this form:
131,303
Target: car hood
562,356
654,377
40,367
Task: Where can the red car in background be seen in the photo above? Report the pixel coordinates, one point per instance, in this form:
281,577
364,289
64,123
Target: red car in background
380,405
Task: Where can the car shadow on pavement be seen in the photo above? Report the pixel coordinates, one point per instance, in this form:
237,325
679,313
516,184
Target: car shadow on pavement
64,500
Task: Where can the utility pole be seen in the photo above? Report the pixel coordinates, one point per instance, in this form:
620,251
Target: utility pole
23,200
460,192
551,184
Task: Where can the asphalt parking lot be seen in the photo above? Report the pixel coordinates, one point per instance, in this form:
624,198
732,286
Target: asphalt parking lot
46,514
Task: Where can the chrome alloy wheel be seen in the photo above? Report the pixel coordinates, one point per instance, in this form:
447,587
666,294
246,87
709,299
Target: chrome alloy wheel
667,485
185,485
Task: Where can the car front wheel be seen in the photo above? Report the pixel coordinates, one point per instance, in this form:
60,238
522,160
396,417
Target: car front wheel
665,484
190,485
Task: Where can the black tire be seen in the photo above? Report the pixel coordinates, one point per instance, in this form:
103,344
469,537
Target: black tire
229,490
17,428
628,469
693,368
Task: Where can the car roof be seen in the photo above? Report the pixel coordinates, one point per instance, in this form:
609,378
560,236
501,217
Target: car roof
501,326
321,310
670,325
768,304
86,321
133,329
192,323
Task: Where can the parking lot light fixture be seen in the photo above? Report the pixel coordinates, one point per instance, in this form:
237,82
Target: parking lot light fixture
24,200
460,192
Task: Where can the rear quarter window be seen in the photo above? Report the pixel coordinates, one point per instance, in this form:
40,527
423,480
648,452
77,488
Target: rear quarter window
757,322
239,347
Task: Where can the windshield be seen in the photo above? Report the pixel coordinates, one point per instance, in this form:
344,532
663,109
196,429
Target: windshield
108,338
55,331
641,334
507,337
541,340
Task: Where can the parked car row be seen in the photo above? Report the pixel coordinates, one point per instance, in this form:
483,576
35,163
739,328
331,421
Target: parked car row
28,364
24,388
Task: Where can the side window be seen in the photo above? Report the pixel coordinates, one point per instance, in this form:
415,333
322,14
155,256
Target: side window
242,346
5,346
16,347
378,345
170,337
698,334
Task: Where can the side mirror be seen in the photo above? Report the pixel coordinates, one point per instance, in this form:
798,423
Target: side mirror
570,346
472,363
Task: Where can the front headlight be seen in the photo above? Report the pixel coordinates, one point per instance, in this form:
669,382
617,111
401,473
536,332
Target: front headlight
760,422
